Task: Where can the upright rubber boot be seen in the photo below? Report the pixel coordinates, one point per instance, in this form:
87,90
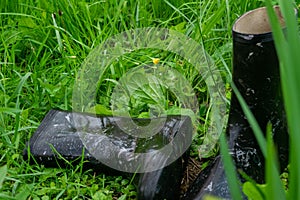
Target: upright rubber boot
256,75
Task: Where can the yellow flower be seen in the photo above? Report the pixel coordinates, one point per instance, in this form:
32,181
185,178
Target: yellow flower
155,60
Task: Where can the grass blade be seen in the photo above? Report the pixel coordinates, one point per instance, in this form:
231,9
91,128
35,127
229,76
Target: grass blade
230,170
60,45
9,110
274,188
3,172
17,92
287,48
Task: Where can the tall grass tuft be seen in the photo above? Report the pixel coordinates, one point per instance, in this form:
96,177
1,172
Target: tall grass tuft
287,46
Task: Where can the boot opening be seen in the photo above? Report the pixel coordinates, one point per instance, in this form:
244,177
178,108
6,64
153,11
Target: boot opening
256,21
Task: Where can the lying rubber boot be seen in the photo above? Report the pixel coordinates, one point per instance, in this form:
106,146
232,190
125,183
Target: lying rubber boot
257,77
107,148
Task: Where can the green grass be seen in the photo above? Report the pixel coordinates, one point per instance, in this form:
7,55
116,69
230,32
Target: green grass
42,46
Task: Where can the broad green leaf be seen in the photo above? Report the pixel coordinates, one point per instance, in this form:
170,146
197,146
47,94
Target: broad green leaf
252,191
179,27
100,110
27,22
123,197
25,192
144,115
6,197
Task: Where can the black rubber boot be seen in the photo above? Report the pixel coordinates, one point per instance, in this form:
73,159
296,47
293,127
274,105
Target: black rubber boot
71,135
256,75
